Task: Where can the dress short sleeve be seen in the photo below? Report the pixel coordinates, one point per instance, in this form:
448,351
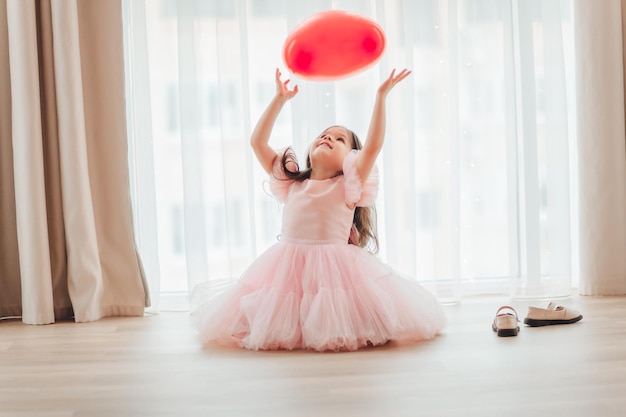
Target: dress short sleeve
362,194
279,182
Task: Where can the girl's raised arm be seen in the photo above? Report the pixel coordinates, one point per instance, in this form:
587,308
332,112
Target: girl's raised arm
376,133
261,133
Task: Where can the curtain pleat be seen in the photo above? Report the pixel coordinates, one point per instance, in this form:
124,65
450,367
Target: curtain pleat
102,63
73,222
10,288
28,161
601,147
52,164
84,273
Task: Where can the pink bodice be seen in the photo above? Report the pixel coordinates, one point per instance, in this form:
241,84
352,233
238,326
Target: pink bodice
317,210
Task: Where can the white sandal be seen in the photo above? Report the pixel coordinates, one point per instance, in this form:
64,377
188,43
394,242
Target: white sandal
505,324
553,314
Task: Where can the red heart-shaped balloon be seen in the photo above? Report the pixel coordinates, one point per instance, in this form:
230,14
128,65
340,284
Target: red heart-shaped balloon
333,44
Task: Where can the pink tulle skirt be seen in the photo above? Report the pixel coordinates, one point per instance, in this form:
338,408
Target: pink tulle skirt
323,297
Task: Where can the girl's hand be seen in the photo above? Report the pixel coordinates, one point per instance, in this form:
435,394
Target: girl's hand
282,90
392,80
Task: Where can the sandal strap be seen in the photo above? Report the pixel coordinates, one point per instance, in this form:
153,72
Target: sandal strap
507,308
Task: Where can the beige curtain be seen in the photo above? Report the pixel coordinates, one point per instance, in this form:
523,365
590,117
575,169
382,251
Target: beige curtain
66,244
601,145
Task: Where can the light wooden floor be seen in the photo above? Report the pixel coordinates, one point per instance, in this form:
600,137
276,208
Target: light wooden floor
154,366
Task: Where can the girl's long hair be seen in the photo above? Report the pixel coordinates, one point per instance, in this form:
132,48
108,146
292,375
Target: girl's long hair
363,233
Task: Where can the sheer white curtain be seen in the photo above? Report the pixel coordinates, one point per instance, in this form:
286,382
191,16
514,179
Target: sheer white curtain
476,169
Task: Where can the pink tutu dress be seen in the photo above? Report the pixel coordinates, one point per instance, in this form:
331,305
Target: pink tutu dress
313,290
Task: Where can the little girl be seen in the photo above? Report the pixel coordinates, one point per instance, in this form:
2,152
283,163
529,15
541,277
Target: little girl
320,287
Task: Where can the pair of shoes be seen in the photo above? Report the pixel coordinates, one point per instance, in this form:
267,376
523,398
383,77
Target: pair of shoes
553,314
505,322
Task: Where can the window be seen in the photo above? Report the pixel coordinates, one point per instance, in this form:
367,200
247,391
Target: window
475,168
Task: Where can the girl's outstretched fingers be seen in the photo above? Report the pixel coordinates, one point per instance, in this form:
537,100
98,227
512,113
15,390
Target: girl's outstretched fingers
401,75
393,79
282,87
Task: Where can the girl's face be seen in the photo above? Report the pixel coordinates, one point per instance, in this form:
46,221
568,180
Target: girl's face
330,148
